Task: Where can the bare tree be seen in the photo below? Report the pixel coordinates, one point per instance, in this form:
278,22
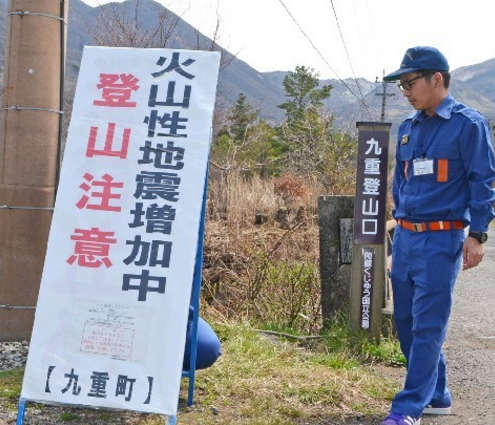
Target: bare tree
135,24
121,25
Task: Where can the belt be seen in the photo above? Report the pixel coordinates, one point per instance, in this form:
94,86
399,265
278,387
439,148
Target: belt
431,225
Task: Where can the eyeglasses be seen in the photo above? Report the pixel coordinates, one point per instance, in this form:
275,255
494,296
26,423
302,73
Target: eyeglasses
406,85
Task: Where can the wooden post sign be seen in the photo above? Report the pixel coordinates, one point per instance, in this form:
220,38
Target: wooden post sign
110,324
370,210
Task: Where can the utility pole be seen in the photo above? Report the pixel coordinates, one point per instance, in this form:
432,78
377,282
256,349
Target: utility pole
384,95
30,129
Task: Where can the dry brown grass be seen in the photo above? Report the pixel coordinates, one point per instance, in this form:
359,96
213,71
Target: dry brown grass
262,251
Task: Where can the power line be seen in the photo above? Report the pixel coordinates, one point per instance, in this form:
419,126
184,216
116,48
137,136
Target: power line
345,48
360,99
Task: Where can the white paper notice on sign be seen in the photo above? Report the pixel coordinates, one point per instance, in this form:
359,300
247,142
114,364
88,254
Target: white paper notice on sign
111,318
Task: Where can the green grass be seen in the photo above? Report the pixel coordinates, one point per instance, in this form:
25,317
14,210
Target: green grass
357,348
262,379
10,384
69,416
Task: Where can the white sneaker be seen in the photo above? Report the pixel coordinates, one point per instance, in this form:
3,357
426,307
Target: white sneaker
437,410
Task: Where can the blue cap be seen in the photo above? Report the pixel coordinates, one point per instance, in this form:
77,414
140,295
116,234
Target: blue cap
417,58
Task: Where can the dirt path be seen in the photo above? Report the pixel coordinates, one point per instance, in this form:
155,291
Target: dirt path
470,346
469,349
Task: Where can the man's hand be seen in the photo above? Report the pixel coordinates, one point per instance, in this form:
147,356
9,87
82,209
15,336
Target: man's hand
472,253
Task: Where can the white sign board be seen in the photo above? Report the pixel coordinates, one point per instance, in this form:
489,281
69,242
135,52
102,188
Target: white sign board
112,312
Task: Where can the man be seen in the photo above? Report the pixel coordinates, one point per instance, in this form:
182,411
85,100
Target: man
442,184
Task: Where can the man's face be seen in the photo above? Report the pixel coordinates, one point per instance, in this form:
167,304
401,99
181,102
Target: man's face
420,92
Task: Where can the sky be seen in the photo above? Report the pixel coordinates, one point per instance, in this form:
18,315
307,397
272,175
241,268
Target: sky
342,38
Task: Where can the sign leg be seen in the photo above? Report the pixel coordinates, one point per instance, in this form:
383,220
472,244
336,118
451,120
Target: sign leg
21,411
171,420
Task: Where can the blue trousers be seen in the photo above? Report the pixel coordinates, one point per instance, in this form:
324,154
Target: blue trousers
425,266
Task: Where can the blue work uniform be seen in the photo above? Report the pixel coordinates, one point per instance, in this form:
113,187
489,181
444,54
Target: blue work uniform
445,169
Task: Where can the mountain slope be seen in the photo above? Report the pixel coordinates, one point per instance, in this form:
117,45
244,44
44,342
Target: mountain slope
351,100
236,77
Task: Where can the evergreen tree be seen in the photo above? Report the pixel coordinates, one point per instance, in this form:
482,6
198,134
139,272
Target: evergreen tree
303,133
310,142
245,143
304,96
242,117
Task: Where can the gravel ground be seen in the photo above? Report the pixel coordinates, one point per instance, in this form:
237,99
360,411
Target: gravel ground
470,346
469,349
13,355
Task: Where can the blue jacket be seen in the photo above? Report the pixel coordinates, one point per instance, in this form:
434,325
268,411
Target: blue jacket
457,140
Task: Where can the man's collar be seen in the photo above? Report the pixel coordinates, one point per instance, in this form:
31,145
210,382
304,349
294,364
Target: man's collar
444,110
